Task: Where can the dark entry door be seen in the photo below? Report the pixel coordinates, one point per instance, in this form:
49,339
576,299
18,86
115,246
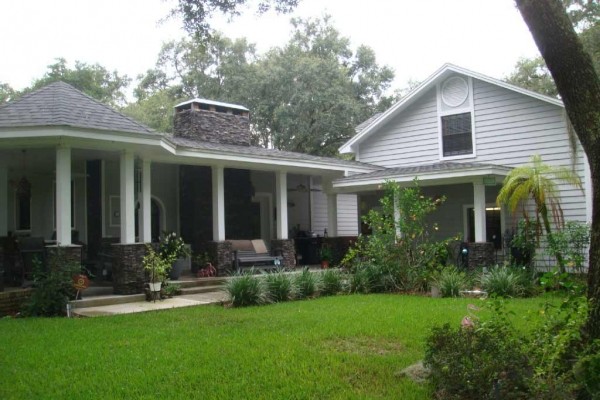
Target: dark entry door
493,225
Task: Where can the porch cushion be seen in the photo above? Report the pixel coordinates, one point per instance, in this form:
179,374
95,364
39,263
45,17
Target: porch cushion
245,245
259,246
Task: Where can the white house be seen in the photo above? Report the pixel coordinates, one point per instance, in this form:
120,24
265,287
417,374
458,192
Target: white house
73,171
460,133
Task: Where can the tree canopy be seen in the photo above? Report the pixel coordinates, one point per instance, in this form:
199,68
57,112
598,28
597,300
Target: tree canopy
306,96
533,74
92,79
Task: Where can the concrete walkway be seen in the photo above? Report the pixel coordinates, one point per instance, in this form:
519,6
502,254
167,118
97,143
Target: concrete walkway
141,306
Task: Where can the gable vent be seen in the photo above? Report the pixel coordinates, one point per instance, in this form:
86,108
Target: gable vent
455,91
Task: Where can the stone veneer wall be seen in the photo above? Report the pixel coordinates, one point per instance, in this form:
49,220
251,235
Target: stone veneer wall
339,247
221,255
12,302
286,249
481,254
212,126
128,272
56,256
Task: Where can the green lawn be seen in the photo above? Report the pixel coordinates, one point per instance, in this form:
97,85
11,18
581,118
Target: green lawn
346,347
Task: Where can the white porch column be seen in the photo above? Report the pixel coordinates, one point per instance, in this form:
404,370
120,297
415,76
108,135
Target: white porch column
397,216
145,204
479,209
281,204
127,192
3,201
63,196
218,203
332,215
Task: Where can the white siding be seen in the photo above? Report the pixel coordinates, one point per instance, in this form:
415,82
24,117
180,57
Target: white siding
347,215
347,209
511,127
408,139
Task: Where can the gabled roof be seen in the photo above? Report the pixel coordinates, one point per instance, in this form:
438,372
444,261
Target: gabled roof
60,104
372,125
438,171
268,153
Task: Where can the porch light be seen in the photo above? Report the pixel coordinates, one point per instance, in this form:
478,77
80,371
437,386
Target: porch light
492,209
23,188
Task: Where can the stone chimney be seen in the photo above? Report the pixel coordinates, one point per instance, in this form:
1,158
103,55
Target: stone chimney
212,121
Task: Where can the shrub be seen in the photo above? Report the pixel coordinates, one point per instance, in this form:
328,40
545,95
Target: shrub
308,284
491,360
53,288
502,281
332,282
246,289
280,286
451,281
403,262
483,361
171,289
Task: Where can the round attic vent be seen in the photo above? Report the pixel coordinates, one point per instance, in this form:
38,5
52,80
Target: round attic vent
455,91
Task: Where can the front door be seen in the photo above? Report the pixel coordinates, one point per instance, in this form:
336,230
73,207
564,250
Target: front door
493,225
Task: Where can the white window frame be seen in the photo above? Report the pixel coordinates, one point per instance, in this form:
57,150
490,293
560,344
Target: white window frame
469,106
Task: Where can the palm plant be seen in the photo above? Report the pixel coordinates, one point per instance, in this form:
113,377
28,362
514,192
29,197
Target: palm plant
538,182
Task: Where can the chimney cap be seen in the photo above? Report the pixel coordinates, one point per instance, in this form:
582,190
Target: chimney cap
211,103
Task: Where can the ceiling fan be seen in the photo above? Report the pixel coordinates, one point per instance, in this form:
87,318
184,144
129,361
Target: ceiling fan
300,188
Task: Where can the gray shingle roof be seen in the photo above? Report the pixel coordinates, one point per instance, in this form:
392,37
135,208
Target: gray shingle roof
415,170
262,152
366,123
60,104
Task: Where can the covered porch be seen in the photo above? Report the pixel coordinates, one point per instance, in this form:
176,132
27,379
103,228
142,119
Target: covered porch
469,212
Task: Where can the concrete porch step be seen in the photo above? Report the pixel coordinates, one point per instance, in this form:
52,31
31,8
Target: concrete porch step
188,281
200,289
106,300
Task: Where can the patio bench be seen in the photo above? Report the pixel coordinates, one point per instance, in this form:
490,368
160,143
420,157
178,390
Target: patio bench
253,253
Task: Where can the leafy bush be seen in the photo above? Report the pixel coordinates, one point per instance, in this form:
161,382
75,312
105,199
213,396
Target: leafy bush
491,360
308,284
53,288
332,282
476,363
503,281
398,262
451,281
171,289
572,242
246,289
280,286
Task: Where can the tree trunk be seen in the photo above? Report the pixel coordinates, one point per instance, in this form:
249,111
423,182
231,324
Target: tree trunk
550,236
579,87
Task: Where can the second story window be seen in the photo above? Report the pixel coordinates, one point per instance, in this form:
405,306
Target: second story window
457,137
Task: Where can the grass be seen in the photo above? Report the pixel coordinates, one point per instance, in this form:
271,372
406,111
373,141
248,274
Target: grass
345,347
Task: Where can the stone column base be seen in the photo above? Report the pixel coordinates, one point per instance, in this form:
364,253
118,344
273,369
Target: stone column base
481,254
58,256
128,271
221,255
286,249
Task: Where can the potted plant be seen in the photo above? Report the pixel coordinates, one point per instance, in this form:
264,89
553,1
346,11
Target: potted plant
174,249
157,267
326,256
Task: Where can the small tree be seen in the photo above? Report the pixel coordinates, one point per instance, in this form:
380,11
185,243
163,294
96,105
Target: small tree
538,182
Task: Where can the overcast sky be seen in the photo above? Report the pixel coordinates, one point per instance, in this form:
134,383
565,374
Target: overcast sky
413,37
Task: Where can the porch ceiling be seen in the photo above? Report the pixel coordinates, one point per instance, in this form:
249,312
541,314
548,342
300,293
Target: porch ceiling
442,173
